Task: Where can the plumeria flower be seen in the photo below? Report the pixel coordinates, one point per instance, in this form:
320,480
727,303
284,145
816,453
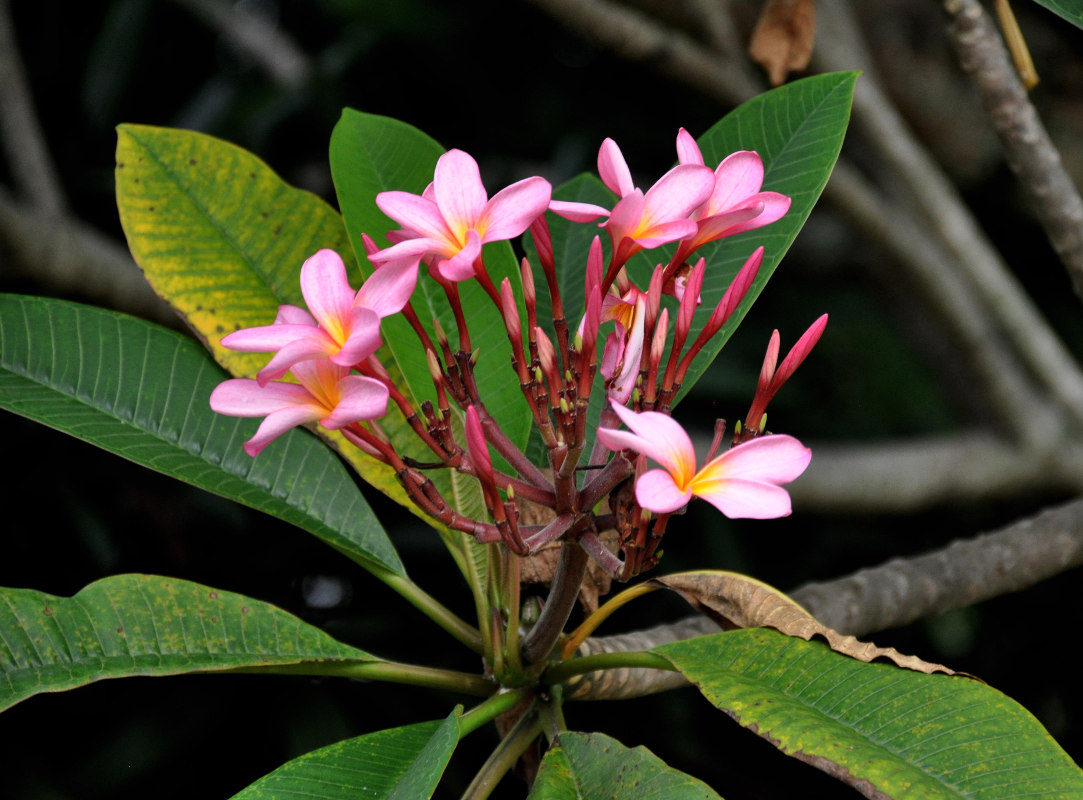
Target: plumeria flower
735,203
326,393
743,482
645,220
343,326
454,217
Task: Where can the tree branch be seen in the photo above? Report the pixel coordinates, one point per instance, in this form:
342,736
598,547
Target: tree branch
1029,150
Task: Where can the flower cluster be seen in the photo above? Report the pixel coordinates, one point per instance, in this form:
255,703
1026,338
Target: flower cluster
330,351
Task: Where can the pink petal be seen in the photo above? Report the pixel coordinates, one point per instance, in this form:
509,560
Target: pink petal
460,266
389,287
661,438
775,206
360,398
458,190
418,215
512,209
327,290
267,338
577,212
244,397
687,150
279,422
294,315
776,458
743,499
656,491
726,223
613,169
738,177
666,232
414,248
316,345
363,339
678,193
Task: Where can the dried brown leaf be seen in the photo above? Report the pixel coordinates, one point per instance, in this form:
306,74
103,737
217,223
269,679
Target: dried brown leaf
783,36
737,601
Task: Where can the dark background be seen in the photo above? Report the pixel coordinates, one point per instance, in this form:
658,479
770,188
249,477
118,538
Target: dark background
525,95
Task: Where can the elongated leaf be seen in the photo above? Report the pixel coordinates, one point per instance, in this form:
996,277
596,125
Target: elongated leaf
222,238
396,764
145,625
372,154
593,766
888,732
140,391
1071,10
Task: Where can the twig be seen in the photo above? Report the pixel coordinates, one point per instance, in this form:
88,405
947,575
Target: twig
24,142
1029,150
896,593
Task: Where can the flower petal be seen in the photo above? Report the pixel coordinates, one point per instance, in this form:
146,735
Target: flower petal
613,169
418,215
738,177
677,193
458,190
363,339
776,458
656,491
327,291
744,499
389,287
460,266
279,422
244,397
267,338
512,209
360,398
661,438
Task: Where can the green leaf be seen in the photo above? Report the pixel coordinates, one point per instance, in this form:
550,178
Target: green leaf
140,391
593,766
1071,10
372,154
222,238
879,728
396,764
146,625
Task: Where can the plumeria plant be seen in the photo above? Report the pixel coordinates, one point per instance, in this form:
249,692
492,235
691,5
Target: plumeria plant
508,368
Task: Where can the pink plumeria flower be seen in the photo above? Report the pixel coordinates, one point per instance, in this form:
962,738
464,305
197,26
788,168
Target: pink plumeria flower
327,393
343,326
743,482
454,217
645,220
736,203
624,347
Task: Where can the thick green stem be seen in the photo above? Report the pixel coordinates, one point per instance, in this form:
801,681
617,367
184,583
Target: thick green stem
500,703
429,606
389,671
505,755
561,672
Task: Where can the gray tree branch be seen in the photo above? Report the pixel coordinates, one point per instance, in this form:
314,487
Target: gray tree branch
1029,151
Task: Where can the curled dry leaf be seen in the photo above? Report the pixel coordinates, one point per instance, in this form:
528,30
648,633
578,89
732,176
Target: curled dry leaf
737,601
782,40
